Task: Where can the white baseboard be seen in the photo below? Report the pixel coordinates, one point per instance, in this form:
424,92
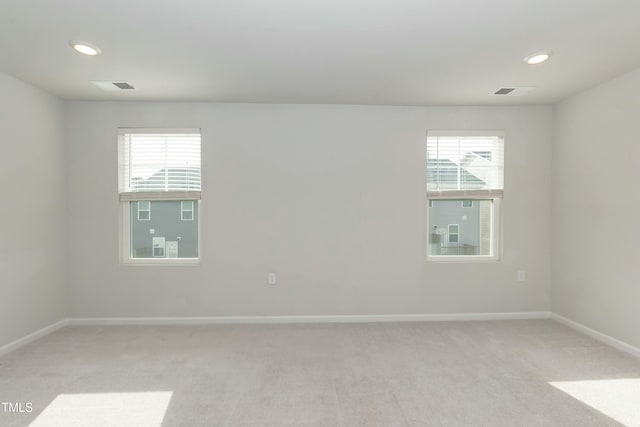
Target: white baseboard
32,337
604,338
104,321
306,319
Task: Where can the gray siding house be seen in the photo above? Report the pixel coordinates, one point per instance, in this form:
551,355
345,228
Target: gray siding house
165,228
461,226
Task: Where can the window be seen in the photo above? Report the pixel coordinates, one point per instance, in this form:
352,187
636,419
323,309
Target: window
144,210
186,210
453,232
465,182
159,170
158,247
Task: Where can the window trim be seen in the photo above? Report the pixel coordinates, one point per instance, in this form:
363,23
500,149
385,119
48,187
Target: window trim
153,248
496,235
456,234
144,210
466,207
126,198
495,195
183,210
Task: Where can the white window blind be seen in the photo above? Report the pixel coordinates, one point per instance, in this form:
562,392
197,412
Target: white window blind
465,164
159,165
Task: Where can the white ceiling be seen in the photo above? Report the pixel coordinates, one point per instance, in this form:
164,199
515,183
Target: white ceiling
398,52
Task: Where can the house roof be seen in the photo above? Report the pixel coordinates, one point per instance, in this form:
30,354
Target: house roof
445,173
170,179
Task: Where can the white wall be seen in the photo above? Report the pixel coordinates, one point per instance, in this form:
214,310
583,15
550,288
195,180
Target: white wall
32,222
596,201
329,197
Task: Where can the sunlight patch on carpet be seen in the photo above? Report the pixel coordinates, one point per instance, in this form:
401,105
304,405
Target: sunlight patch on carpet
139,409
618,399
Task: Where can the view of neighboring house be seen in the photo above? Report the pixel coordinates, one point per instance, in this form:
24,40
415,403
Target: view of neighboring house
164,228
171,179
451,176
460,226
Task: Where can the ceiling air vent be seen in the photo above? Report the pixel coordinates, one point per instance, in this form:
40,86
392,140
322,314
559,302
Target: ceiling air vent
113,85
513,91
123,85
504,91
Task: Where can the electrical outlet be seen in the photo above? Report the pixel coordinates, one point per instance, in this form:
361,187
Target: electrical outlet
271,278
521,275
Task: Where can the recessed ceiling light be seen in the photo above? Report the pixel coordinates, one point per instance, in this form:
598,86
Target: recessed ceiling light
85,48
538,57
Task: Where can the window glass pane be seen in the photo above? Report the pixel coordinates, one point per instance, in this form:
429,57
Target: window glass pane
465,163
165,235
187,210
467,203
458,231
159,162
143,215
143,205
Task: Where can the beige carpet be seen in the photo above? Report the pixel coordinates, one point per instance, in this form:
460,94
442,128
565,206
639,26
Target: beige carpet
494,373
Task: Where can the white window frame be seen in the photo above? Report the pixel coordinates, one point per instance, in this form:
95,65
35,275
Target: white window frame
144,210
449,233
183,210
496,237
153,247
496,216
125,242
466,207
126,257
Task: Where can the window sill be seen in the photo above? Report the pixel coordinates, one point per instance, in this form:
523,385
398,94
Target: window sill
463,259
164,262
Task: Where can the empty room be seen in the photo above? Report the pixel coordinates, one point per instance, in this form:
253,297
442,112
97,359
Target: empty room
357,213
